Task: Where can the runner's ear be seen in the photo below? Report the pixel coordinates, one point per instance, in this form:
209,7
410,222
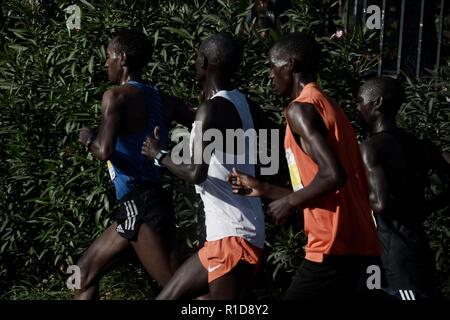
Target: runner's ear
123,59
156,133
378,104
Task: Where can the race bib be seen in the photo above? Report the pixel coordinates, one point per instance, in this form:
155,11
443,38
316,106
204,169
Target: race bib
293,171
112,173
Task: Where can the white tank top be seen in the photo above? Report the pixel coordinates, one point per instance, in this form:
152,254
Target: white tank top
228,214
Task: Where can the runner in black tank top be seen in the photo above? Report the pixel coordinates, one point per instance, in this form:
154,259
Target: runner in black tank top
398,165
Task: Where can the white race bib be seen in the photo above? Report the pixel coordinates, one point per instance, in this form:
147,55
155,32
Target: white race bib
112,173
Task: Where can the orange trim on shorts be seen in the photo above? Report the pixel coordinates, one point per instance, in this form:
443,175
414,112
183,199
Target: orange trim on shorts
220,256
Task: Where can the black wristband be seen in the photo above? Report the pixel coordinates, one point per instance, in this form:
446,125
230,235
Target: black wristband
159,158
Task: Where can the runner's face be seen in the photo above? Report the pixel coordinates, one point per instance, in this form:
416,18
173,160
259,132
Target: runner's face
112,65
280,75
365,106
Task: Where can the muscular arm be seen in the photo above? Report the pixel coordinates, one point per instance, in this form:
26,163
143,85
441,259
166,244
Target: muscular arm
273,192
307,123
103,145
178,111
194,173
379,191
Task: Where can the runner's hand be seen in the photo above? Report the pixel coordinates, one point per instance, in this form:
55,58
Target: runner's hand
280,210
152,146
86,134
245,185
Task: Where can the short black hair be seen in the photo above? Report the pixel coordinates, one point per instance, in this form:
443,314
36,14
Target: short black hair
222,50
136,45
389,88
302,47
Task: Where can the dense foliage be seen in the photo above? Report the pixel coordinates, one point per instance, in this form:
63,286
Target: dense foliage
55,198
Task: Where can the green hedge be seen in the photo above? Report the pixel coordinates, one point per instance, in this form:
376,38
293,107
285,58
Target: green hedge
55,199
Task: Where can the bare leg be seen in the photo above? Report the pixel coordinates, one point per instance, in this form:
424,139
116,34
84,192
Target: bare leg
234,285
189,281
96,259
174,258
153,254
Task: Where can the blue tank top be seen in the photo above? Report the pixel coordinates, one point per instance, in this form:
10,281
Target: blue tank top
129,168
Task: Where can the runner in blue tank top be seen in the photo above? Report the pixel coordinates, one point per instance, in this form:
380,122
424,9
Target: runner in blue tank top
130,168
130,113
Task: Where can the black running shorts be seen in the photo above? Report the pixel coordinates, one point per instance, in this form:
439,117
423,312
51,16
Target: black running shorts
152,206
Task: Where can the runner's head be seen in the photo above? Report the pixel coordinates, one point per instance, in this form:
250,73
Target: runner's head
129,51
220,53
293,53
380,96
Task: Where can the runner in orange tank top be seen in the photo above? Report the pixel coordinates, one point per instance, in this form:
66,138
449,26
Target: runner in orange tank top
327,177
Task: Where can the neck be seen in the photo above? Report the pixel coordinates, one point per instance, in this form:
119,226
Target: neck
300,81
382,124
128,75
214,84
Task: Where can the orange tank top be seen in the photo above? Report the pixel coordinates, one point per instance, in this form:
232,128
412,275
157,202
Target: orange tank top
339,223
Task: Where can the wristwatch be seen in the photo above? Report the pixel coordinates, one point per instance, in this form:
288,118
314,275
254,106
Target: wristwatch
159,158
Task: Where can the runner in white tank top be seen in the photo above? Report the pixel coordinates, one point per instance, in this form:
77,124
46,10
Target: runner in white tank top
227,214
224,267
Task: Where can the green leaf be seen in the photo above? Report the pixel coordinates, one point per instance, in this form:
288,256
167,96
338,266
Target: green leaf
91,65
90,6
18,47
181,32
